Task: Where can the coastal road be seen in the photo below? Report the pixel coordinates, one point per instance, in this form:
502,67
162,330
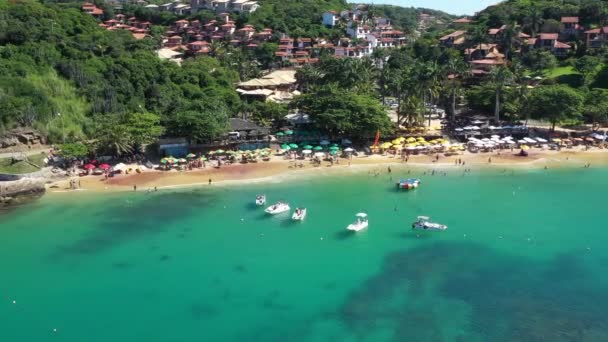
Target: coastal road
27,153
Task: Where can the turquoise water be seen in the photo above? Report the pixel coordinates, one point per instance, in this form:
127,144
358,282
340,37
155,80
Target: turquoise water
524,259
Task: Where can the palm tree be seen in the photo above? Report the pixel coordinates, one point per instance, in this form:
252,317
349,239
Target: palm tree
308,77
455,70
510,36
499,77
534,20
427,78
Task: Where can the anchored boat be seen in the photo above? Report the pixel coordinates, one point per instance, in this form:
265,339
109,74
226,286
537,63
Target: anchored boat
260,199
424,223
277,208
408,184
299,214
360,223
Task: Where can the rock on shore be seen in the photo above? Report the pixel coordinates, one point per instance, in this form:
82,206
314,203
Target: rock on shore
21,190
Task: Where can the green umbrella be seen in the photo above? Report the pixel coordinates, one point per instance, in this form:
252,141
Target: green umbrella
164,161
288,132
211,152
219,151
334,148
334,145
285,147
263,153
307,147
280,134
332,152
191,155
293,145
203,158
317,148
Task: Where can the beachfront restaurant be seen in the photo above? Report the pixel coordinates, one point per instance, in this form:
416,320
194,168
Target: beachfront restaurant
241,129
176,147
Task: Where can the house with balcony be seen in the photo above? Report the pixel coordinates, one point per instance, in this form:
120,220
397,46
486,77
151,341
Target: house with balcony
569,27
549,41
597,37
454,39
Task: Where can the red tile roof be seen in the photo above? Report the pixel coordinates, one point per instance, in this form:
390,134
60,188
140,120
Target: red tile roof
452,35
462,21
571,20
560,45
549,36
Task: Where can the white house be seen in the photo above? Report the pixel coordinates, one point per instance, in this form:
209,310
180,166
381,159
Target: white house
358,31
330,19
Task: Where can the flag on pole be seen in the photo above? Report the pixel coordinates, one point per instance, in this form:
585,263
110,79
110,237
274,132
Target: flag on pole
377,140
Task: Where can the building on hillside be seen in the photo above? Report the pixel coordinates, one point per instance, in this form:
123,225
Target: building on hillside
359,31
454,39
91,9
461,22
549,41
597,38
569,26
331,18
169,54
495,34
237,6
277,86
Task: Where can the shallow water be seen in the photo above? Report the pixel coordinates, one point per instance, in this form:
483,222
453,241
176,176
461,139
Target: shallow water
523,260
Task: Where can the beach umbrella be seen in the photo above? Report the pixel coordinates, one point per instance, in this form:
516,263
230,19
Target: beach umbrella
191,155
308,147
220,151
285,147
202,159
349,149
89,167
306,151
288,132
280,134
396,142
317,148
332,152
319,154
334,145
104,166
182,160
334,148
324,142
293,145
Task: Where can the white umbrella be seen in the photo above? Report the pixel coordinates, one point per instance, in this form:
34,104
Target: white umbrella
319,154
522,141
349,149
477,122
306,152
459,129
541,140
475,128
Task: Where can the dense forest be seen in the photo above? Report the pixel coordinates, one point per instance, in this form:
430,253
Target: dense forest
74,81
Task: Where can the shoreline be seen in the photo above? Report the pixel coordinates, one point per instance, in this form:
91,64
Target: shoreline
279,170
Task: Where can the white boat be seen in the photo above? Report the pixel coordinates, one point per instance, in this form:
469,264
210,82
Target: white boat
299,214
260,199
277,208
424,223
359,224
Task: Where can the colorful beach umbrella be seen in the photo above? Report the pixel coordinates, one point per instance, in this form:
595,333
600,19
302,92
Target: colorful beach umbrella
89,167
104,166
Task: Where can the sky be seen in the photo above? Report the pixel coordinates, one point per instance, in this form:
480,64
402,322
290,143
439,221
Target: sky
449,6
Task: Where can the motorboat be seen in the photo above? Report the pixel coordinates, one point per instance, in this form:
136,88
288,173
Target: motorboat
360,223
299,214
424,223
408,184
260,199
277,208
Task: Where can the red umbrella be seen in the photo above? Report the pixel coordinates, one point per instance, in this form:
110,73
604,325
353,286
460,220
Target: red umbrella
104,166
89,166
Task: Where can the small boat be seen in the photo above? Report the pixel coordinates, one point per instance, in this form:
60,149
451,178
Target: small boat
277,208
424,223
408,184
359,224
299,214
260,199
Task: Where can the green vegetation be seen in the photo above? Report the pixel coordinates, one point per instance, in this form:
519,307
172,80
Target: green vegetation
8,165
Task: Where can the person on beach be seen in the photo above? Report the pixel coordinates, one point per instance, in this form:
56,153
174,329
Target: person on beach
490,160
209,181
134,187
389,169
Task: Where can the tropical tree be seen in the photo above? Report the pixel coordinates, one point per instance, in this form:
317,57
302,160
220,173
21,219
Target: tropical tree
587,66
556,103
534,20
510,37
499,77
455,70
596,107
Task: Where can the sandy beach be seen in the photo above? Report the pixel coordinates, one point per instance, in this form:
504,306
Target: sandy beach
280,169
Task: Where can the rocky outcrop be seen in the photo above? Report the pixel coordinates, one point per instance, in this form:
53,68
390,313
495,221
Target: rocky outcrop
20,139
21,190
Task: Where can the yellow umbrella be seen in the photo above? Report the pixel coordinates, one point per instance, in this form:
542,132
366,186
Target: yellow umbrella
411,140
420,139
396,142
525,147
